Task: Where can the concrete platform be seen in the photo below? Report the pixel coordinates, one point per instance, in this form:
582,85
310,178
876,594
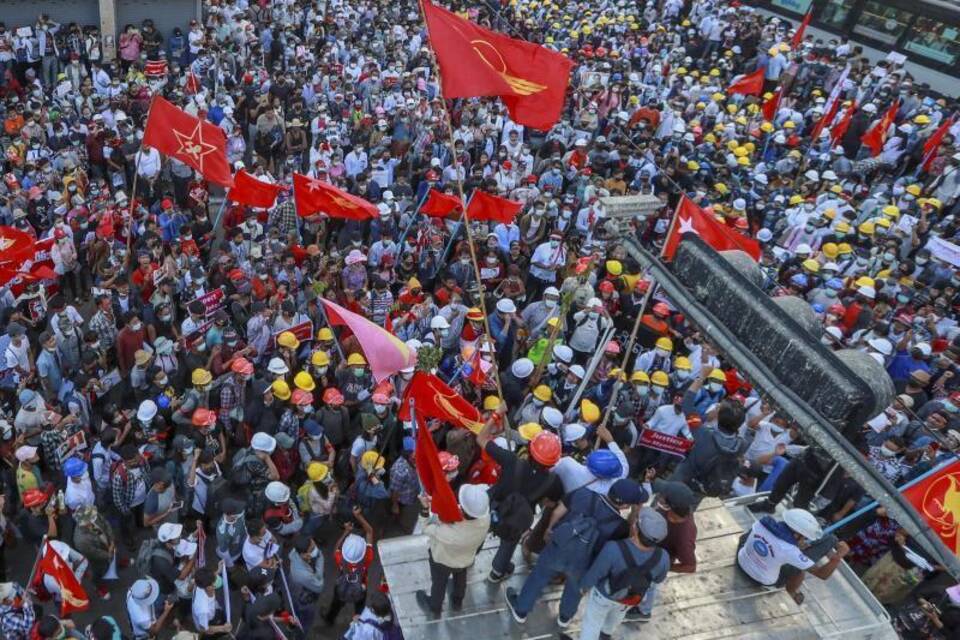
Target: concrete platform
716,602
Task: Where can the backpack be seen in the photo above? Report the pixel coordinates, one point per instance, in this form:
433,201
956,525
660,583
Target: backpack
217,489
635,578
149,549
579,532
303,497
716,480
350,585
513,515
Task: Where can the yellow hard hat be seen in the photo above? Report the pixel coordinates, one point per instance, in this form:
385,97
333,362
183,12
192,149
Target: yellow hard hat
529,430
589,411
717,97
811,265
490,403
640,376
356,360
664,343
371,458
542,392
884,222
319,359
842,227
681,71
749,146
741,120
715,72
710,138
304,381
317,471
614,267
866,228
766,127
935,203
773,50
325,334
741,152
288,340
835,188
695,73
731,108
793,153
864,281
913,189
721,188
200,376
660,378
922,119
789,124
830,250
796,199
744,161
682,362
830,213
844,248
693,165
718,375
701,105
891,210
784,47
281,389
733,145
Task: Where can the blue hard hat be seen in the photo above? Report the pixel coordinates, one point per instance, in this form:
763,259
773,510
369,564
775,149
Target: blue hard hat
313,428
163,401
74,467
408,444
835,283
818,308
603,463
798,279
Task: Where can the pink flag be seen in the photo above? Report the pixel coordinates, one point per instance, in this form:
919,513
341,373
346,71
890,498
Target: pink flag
385,352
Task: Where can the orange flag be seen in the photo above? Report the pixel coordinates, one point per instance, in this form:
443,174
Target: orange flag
937,500
530,79
693,219
73,597
316,196
749,85
876,136
197,143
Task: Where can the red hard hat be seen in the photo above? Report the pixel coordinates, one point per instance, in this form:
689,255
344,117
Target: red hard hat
448,461
612,347
836,309
333,397
606,285
33,498
301,398
661,309
431,175
241,366
203,417
545,448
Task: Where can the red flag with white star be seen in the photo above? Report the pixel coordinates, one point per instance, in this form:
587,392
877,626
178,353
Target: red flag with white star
693,219
194,142
73,597
316,196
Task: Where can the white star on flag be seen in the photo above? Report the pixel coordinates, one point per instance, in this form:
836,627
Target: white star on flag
686,226
314,185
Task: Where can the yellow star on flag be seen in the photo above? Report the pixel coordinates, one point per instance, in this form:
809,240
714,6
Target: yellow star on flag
192,146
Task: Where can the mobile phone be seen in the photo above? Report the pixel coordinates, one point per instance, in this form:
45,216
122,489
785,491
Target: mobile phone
176,506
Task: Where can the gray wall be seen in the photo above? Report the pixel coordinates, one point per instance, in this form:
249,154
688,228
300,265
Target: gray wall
22,13
166,14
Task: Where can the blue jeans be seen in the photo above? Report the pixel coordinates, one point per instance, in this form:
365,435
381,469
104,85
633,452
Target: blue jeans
602,615
649,599
779,463
550,564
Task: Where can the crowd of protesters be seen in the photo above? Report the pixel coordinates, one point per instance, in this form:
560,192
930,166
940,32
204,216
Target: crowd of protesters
164,416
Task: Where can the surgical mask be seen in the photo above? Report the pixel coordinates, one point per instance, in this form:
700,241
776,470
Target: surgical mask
716,387
315,553
642,390
162,381
593,315
380,409
358,372
661,353
887,452
903,299
682,374
830,293
137,326
888,257
549,304
321,370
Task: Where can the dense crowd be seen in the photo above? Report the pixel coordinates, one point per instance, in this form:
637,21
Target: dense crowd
179,413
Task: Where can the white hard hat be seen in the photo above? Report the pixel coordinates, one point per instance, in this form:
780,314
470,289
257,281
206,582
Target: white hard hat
147,410
169,531
803,522
594,302
573,432
522,367
278,366
439,322
353,549
831,266
578,371
551,291
764,235
829,175
505,305
552,417
263,442
413,344
924,348
804,249
869,108
835,333
563,353
474,500
881,345
277,492
812,175
867,292
739,204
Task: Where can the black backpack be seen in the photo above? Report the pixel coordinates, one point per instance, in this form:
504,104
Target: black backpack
716,480
350,585
636,578
513,515
217,490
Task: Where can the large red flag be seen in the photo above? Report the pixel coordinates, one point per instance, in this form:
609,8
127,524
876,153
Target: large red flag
484,206
316,196
531,80
432,478
771,105
195,142
840,129
435,399
749,85
693,219
937,500
440,205
876,136
248,190
16,246
933,142
798,34
73,597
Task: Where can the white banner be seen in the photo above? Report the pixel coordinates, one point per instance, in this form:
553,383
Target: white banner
943,250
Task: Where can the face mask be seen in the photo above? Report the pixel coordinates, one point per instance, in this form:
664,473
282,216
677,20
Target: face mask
682,374
549,304
887,452
315,553
554,244
552,367
137,326
888,257
164,318
358,372
218,583
162,381
921,262
642,390
593,315
380,409
716,387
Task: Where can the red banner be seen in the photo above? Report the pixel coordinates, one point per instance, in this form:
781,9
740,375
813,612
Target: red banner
302,332
212,301
663,442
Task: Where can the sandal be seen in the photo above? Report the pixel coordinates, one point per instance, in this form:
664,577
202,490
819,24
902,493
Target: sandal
798,597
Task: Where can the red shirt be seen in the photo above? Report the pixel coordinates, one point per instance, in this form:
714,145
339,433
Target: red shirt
364,564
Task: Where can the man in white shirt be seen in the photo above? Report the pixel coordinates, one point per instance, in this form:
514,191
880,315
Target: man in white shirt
778,553
140,600
208,616
259,548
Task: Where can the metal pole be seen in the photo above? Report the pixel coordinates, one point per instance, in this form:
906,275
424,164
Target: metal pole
326,321
226,592
413,220
826,479
591,368
286,589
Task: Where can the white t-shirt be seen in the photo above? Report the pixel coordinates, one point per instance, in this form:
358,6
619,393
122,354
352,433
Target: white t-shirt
255,554
141,618
574,474
763,554
204,609
767,438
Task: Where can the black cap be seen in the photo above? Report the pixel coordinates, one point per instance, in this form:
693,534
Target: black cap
676,494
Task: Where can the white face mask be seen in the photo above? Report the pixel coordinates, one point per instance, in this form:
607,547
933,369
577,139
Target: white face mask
682,374
549,304
661,353
887,452
716,387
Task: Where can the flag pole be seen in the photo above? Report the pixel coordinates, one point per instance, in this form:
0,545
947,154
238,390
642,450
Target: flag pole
28,586
133,191
413,220
466,223
873,505
628,349
453,236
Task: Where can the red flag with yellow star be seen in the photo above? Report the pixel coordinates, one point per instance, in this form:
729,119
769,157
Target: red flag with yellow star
937,500
316,196
531,80
197,143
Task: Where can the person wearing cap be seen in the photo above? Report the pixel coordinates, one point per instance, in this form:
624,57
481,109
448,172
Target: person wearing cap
28,473
281,514
778,553
352,556
618,564
141,598
163,558
453,546
256,460
523,482
79,488
566,554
